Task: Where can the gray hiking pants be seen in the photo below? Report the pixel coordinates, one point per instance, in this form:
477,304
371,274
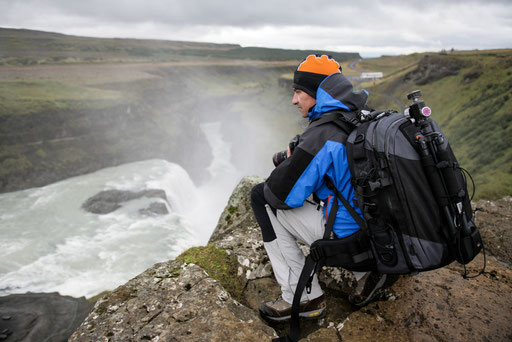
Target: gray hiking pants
306,224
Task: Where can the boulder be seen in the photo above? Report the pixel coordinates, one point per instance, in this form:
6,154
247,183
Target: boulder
238,215
41,316
238,232
154,209
172,301
108,201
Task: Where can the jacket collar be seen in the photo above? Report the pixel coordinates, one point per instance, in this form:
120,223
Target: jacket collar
336,93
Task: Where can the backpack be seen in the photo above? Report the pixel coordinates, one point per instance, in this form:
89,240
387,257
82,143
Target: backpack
413,196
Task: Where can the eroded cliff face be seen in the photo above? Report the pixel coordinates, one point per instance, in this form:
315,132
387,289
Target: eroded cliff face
180,301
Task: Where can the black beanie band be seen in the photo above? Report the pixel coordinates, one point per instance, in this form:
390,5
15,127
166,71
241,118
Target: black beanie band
307,82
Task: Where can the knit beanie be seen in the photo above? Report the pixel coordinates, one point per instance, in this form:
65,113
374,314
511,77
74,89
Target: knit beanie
312,71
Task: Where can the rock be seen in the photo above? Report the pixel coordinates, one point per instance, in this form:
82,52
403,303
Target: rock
238,212
171,301
155,208
238,232
41,316
433,68
493,218
108,201
323,334
439,306
471,76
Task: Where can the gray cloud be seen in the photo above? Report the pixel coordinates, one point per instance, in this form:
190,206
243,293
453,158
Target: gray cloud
391,26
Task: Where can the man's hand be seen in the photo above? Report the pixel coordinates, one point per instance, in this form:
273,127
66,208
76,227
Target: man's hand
291,146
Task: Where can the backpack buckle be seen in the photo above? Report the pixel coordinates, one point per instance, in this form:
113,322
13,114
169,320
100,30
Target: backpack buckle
316,253
379,183
375,185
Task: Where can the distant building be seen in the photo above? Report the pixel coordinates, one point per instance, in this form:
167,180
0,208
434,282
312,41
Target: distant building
372,75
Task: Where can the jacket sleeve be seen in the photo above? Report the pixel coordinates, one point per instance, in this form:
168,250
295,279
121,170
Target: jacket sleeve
294,180
284,178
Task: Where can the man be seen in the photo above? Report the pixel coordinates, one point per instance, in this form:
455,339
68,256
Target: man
282,206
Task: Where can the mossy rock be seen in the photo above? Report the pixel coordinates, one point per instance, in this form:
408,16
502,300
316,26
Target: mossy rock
219,265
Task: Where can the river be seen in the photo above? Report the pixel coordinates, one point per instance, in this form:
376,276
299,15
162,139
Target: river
48,243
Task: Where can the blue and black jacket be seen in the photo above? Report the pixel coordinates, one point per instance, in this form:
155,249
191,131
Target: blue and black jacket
321,151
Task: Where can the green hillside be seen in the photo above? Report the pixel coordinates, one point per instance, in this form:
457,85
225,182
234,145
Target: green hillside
470,96
28,47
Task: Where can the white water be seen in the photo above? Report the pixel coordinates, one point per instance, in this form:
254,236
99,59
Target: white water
49,244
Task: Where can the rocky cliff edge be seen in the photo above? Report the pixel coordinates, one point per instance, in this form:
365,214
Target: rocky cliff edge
211,293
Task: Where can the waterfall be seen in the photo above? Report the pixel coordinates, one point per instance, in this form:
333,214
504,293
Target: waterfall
48,243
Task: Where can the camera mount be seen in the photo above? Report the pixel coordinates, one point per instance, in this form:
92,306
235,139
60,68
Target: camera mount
418,110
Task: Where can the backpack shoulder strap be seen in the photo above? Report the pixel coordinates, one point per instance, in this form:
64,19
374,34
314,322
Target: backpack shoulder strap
360,222
347,121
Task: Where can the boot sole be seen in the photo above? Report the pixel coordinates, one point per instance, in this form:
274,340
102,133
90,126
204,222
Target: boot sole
314,314
372,294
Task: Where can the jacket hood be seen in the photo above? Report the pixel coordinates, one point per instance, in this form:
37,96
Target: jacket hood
336,92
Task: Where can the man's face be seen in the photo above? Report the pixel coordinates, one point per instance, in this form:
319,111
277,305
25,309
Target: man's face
303,101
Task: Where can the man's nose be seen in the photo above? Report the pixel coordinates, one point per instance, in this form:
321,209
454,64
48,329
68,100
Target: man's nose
295,100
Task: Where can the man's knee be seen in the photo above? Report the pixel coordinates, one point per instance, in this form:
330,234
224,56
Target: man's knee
258,203
257,197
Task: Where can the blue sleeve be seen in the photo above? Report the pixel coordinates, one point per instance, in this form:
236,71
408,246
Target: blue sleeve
312,179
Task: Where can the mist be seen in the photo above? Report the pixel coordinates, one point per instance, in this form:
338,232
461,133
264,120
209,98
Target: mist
251,108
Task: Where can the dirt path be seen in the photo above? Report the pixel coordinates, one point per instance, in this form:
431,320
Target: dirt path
356,80
353,66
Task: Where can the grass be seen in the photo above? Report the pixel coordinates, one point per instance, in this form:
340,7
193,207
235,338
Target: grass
219,265
27,47
35,96
390,65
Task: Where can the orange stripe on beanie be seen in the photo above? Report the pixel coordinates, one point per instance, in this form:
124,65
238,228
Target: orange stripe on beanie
324,65
312,71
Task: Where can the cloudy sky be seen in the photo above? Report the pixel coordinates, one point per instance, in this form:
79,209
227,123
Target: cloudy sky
370,27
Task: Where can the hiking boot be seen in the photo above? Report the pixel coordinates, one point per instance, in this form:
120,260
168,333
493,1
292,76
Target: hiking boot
279,310
390,281
368,288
